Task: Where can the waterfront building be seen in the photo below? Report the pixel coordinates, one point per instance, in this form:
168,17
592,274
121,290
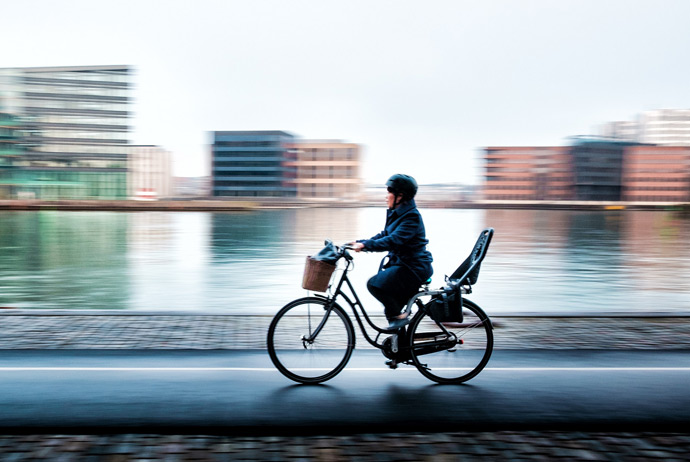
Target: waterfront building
623,130
528,173
666,127
656,173
598,168
591,169
252,164
617,170
192,186
435,193
326,169
75,131
150,173
11,148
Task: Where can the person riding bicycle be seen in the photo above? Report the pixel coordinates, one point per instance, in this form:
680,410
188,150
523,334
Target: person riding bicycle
404,237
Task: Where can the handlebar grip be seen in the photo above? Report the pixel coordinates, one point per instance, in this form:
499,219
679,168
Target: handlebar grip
344,252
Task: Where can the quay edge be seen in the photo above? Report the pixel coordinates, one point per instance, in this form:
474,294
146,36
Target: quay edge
249,204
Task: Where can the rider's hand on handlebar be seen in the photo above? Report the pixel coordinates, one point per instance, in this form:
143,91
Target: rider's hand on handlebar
356,246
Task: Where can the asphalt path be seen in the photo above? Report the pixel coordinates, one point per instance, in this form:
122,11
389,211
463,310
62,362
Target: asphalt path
236,391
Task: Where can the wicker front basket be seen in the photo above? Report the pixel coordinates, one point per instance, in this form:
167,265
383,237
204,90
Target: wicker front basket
317,275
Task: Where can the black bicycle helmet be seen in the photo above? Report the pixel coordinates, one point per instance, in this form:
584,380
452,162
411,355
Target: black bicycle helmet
402,184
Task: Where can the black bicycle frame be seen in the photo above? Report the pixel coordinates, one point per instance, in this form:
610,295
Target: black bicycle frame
430,347
353,305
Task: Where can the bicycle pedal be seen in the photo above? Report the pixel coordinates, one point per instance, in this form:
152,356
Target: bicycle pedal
392,364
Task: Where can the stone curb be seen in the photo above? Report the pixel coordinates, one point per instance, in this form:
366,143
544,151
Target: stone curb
223,331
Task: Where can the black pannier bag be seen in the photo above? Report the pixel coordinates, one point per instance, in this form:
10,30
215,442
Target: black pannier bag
446,307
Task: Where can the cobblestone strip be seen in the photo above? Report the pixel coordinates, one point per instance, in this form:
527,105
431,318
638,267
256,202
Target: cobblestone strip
35,331
385,447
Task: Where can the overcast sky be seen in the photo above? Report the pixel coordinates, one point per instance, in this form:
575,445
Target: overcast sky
422,85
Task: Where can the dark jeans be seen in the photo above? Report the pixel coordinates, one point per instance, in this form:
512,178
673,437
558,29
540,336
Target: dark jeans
393,287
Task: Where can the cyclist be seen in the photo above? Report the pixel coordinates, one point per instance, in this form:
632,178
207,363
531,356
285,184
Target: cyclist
408,262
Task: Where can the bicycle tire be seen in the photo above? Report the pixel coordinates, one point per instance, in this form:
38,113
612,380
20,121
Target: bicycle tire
318,360
446,359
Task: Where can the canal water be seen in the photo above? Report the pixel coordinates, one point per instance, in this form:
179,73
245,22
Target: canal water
251,262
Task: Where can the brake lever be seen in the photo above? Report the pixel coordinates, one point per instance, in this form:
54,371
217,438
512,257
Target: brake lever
344,251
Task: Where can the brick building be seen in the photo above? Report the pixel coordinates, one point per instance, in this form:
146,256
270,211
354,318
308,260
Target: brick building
528,173
589,170
327,169
656,173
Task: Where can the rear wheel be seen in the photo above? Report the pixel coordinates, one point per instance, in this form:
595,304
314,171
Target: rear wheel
302,358
452,352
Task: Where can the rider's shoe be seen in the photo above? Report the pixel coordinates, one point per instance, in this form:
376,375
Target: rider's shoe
399,321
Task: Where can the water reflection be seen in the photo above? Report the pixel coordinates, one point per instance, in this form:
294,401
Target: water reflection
576,261
658,255
251,262
167,259
47,261
241,236
258,258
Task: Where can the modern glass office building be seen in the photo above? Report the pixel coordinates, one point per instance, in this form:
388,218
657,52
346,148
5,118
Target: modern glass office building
252,164
75,130
598,168
10,149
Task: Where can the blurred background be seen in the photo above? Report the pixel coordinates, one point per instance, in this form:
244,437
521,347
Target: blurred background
565,126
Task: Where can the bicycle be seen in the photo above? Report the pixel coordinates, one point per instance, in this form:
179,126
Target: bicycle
311,339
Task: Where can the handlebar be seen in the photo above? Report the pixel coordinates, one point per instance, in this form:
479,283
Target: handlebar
343,251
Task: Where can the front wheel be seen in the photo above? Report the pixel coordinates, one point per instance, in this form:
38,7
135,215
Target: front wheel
298,353
452,352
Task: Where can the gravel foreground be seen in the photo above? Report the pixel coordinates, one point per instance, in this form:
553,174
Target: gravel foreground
464,446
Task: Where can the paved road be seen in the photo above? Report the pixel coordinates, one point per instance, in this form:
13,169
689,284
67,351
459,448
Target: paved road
219,391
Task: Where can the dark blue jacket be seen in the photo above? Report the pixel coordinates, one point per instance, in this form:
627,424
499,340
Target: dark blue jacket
404,237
